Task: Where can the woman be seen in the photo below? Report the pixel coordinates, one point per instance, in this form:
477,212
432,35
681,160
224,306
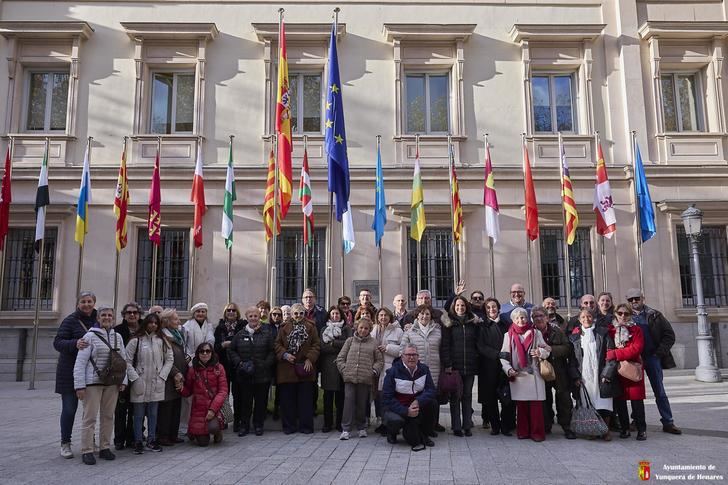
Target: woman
207,384
490,376
332,340
286,311
628,342
98,398
68,341
365,311
388,335
252,359
523,346
594,373
276,322
123,416
359,361
297,350
230,324
459,351
605,307
170,408
152,359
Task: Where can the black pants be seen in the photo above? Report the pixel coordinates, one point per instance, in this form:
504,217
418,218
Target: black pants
276,401
297,407
332,398
252,399
168,416
464,421
638,413
237,404
414,430
124,420
563,407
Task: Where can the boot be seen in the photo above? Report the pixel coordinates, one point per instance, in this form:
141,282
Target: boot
608,435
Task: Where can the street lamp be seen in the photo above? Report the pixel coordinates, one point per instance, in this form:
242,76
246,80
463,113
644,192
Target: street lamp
706,371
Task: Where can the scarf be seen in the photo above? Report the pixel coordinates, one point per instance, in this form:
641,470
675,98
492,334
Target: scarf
230,327
250,330
332,331
521,348
176,336
297,337
621,333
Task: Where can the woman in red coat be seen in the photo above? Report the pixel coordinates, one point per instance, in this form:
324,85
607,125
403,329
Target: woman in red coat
629,341
207,384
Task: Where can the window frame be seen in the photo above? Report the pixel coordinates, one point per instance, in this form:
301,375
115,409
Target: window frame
142,295
299,77
699,100
175,72
49,100
573,84
52,252
405,111
711,279
317,256
585,280
430,278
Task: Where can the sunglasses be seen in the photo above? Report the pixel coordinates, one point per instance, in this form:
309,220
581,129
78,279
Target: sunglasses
298,313
622,314
634,299
276,314
206,351
131,312
477,298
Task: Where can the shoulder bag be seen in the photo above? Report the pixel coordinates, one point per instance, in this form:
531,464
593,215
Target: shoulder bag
547,370
585,420
630,370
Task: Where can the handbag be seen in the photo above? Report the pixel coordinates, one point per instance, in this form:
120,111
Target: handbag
246,368
585,420
630,370
224,415
450,384
504,393
547,370
300,369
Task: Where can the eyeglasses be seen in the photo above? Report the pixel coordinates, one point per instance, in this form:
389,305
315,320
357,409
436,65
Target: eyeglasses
298,313
410,355
622,314
206,351
131,312
634,299
517,292
477,298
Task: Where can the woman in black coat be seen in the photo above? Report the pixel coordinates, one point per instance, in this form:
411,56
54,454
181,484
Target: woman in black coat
228,326
68,341
252,359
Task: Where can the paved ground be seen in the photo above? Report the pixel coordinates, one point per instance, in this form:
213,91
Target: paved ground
30,444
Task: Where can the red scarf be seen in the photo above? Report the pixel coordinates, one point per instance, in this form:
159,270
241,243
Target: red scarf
514,333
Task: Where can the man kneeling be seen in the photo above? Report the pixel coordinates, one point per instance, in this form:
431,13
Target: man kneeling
409,400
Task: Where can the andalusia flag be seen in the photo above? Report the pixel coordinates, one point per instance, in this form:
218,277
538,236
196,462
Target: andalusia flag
306,197
269,201
418,223
227,205
283,127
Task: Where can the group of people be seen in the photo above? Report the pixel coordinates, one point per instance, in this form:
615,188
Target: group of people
407,362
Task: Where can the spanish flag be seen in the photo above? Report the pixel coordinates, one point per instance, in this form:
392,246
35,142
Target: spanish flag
283,126
121,202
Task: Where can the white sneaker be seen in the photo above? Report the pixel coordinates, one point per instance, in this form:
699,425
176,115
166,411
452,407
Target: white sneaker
66,450
362,433
344,435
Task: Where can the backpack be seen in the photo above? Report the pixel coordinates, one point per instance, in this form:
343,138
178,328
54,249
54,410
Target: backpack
115,371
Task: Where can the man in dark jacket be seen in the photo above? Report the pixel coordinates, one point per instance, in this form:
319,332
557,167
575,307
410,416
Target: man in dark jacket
424,297
659,338
315,313
408,398
552,308
477,300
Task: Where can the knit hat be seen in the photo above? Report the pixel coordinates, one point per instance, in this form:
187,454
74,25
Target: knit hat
198,306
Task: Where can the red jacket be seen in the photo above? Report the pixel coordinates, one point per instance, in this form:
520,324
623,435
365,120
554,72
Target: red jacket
201,401
631,391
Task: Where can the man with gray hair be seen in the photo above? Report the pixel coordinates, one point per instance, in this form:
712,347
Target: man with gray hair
586,302
424,297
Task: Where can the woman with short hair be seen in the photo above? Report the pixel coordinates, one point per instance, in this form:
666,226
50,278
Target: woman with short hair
333,337
229,325
170,408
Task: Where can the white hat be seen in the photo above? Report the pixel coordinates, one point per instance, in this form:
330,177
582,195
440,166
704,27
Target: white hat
198,306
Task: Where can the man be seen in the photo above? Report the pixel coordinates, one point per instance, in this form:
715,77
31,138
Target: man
314,312
477,300
400,309
518,299
123,415
424,297
365,299
552,308
586,302
659,338
408,398
344,304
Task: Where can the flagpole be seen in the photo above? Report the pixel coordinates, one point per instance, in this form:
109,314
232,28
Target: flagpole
305,222
605,280
155,248
329,251
490,243
528,241
5,236
419,245
230,250
455,252
638,232
193,263
567,263
79,272
116,265
274,239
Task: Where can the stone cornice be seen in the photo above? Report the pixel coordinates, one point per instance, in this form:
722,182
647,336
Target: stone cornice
171,30
35,29
298,31
555,32
684,29
429,32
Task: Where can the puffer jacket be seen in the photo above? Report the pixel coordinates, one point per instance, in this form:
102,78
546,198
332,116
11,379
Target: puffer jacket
562,356
459,348
154,359
401,388
391,338
360,360
69,332
196,383
330,377
84,373
427,340
257,348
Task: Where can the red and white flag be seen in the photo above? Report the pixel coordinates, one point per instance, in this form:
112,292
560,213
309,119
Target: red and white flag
5,199
198,198
603,203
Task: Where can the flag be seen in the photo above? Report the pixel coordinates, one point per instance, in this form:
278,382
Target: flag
42,199
283,127
198,198
567,198
644,201
530,196
348,230
335,137
84,197
227,205
5,199
490,200
457,208
154,221
121,202
269,200
306,197
603,204
380,203
418,222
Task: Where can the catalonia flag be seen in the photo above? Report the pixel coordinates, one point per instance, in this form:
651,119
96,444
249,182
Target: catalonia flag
567,199
418,223
84,197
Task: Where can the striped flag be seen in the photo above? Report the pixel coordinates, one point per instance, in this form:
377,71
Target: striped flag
121,202
42,199
603,203
84,197
567,198
227,205
198,198
269,201
457,208
418,223
490,199
380,202
154,221
283,127
532,229
306,197
5,200
347,230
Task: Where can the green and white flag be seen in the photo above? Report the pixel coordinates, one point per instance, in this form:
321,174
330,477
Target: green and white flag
227,206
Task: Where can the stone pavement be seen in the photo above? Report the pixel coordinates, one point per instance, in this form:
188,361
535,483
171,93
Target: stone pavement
30,445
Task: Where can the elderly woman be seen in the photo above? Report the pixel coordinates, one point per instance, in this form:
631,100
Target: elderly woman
592,371
276,323
332,340
228,326
629,342
69,340
207,384
98,396
388,334
297,349
152,359
286,311
252,359
170,408
523,347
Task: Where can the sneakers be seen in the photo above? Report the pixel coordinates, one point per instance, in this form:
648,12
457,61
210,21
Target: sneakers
88,458
154,446
66,450
362,433
641,436
671,428
107,455
138,448
344,435
391,438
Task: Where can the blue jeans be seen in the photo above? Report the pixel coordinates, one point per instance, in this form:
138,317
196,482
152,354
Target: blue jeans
653,369
150,409
69,405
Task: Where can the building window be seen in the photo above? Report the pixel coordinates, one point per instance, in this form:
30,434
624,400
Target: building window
427,105
436,265
289,262
552,265
553,103
21,270
680,102
172,269
306,103
47,101
173,102
713,251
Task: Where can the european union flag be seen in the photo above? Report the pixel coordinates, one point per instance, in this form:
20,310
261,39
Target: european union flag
646,211
380,204
335,141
